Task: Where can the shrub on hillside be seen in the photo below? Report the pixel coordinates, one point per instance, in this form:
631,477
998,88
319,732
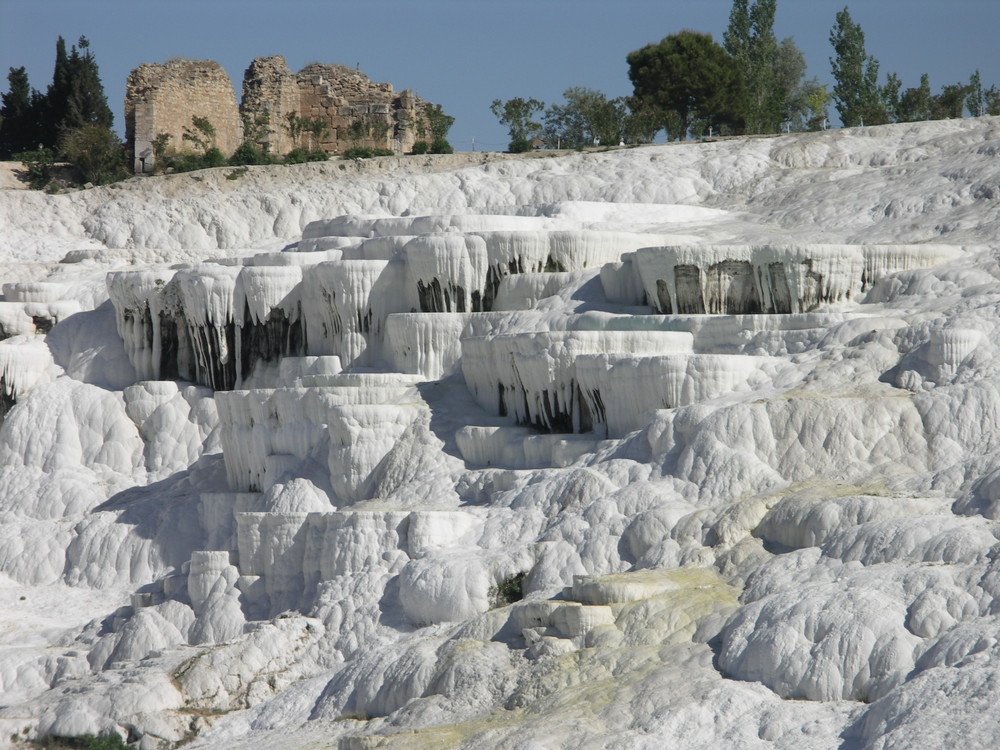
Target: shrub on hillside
39,166
421,147
303,155
519,146
96,154
248,153
189,162
441,146
361,152
83,742
214,158
508,591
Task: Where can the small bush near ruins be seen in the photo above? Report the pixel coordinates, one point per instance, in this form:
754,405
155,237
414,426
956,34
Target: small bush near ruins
248,153
214,158
441,146
38,167
303,155
367,153
96,154
421,147
188,162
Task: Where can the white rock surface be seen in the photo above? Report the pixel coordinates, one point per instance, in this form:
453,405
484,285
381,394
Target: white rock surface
280,455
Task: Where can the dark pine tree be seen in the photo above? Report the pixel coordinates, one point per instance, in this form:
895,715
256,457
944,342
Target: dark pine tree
56,100
86,104
19,130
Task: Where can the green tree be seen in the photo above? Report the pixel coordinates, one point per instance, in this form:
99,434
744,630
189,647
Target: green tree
436,129
587,118
20,111
318,129
975,100
950,103
255,127
441,146
73,99
95,153
294,125
160,143
358,130
76,95
817,102
517,114
56,102
915,103
87,104
856,92
641,122
689,78
789,71
253,149
363,128
750,40
991,97
438,123
891,97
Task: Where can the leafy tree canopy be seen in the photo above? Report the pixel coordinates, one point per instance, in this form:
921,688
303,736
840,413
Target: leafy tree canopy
750,40
587,118
517,115
856,93
692,81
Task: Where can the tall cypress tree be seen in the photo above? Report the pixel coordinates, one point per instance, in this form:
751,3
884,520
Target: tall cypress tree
750,40
975,99
86,104
75,97
856,93
57,96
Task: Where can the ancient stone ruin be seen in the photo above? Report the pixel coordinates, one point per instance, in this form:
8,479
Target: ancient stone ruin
328,107
164,98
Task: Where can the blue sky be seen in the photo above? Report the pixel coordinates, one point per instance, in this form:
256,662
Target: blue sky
463,54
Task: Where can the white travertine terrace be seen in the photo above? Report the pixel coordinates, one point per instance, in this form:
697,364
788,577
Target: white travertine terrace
425,344
447,272
345,304
740,279
24,362
532,376
677,446
622,391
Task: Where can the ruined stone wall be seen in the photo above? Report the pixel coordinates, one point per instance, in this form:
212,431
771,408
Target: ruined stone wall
163,98
355,111
271,94
343,97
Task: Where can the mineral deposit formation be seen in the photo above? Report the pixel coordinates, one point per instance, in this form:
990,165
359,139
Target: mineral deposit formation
687,446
